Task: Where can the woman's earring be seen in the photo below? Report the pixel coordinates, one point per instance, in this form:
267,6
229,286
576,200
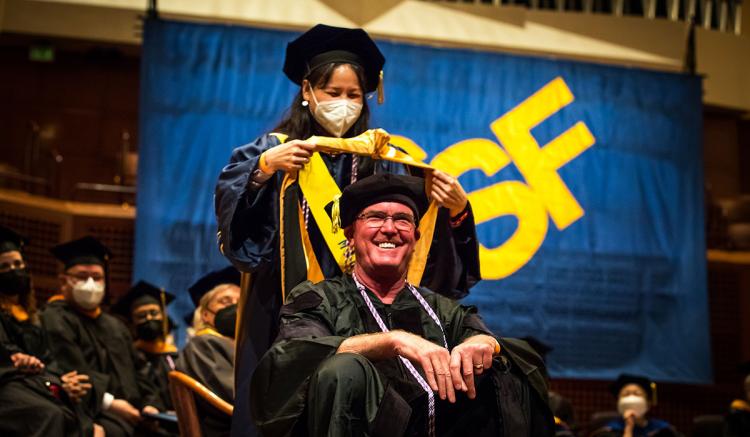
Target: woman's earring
305,103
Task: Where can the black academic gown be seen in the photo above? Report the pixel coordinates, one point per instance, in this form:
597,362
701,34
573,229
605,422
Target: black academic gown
102,348
249,237
155,373
209,358
27,405
317,318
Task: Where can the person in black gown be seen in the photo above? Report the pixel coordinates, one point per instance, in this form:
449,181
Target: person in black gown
368,353
144,310
86,339
209,355
36,398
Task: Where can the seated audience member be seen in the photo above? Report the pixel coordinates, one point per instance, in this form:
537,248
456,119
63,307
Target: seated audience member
35,398
209,355
635,395
144,308
565,424
371,354
738,419
84,338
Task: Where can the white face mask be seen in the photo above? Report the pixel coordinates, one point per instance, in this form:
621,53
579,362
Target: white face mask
88,294
632,402
336,116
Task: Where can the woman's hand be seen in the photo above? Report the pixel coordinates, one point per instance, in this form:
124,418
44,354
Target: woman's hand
447,192
288,157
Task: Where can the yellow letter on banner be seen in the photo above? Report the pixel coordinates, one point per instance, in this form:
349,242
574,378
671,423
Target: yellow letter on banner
539,165
501,199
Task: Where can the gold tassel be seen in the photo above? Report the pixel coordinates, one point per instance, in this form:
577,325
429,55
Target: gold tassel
336,214
653,394
164,318
381,92
349,260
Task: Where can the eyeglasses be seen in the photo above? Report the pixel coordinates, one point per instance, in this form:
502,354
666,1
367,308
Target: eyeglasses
85,276
376,219
143,316
16,264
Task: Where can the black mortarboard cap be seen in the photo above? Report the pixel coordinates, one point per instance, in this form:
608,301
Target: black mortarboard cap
227,275
86,250
141,293
382,187
11,240
539,346
645,383
325,44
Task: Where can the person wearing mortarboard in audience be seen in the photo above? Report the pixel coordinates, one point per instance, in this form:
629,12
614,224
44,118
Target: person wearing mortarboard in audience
565,424
737,422
144,308
209,355
369,353
335,69
37,398
86,339
635,395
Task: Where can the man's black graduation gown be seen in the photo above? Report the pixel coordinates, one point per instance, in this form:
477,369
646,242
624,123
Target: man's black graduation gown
102,348
317,318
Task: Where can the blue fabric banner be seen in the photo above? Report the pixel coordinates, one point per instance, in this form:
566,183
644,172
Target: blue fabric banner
586,181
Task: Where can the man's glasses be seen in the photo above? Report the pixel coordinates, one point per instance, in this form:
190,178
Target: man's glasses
143,316
376,219
85,276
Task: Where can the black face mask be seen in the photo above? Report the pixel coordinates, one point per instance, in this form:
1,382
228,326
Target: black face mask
149,330
15,282
226,320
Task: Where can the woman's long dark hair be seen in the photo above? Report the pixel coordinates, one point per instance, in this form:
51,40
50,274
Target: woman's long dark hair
298,122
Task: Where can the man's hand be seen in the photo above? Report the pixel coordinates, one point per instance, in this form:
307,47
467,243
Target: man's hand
447,192
149,409
434,359
288,157
26,363
75,385
471,358
99,430
122,408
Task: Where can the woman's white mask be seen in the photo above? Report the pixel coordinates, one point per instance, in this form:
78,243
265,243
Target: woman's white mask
88,294
633,402
336,116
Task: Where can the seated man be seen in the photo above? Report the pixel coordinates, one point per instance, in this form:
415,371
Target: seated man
364,354
37,399
209,355
635,395
86,339
144,309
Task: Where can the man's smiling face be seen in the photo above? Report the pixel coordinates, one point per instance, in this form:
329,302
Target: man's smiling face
384,249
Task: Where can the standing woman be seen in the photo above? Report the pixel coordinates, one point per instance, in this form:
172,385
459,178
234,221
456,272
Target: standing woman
335,68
